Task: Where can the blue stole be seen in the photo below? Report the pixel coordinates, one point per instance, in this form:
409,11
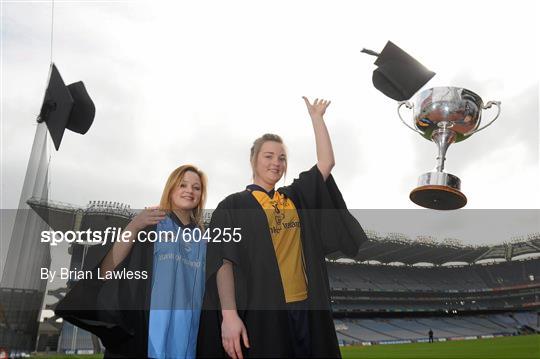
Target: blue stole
177,291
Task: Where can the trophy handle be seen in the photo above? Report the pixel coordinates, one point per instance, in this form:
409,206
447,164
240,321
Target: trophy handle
409,106
485,107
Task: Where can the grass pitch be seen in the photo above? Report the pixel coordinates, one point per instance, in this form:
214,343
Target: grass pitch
527,346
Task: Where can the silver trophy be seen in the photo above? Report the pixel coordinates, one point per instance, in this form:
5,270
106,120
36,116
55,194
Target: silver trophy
444,115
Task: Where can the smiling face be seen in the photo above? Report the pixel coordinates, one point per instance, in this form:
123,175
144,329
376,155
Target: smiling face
187,194
270,164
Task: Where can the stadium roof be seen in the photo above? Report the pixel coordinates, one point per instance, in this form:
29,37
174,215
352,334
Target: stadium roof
62,216
398,248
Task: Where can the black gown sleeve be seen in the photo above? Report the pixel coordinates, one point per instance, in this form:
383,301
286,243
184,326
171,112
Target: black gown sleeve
209,343
107,308
339,229
221,247
217,249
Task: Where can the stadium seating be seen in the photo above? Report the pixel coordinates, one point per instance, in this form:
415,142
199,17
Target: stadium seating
406,278
392,304
380,330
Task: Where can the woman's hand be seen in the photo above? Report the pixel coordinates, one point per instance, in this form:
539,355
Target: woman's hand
121,249
149,216
325,153
318,108
232,328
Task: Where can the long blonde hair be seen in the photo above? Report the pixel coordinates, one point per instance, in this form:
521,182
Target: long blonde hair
173,181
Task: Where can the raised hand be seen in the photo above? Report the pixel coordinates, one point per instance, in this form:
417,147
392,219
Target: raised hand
318,108
325,153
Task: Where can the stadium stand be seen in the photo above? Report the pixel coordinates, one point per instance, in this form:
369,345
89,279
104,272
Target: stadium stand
383,330
383,297
476,277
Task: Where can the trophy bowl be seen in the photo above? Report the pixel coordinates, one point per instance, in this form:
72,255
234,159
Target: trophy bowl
459,107
444,115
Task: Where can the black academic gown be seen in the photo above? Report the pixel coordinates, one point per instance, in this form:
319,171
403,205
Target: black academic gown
326,227
116,310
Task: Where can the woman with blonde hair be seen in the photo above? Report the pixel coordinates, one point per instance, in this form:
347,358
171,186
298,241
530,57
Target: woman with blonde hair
267,293
146,295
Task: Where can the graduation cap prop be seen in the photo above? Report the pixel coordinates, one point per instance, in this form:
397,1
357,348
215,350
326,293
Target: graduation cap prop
66,107
398,75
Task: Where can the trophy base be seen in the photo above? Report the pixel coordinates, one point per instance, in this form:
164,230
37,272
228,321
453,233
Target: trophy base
438,190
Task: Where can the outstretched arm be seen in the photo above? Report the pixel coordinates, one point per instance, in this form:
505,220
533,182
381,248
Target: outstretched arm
325,153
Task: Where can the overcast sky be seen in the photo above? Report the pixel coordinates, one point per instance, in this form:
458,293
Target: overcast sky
197,82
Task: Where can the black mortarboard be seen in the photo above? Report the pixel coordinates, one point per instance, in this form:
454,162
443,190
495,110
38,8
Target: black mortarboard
66,107
398,75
